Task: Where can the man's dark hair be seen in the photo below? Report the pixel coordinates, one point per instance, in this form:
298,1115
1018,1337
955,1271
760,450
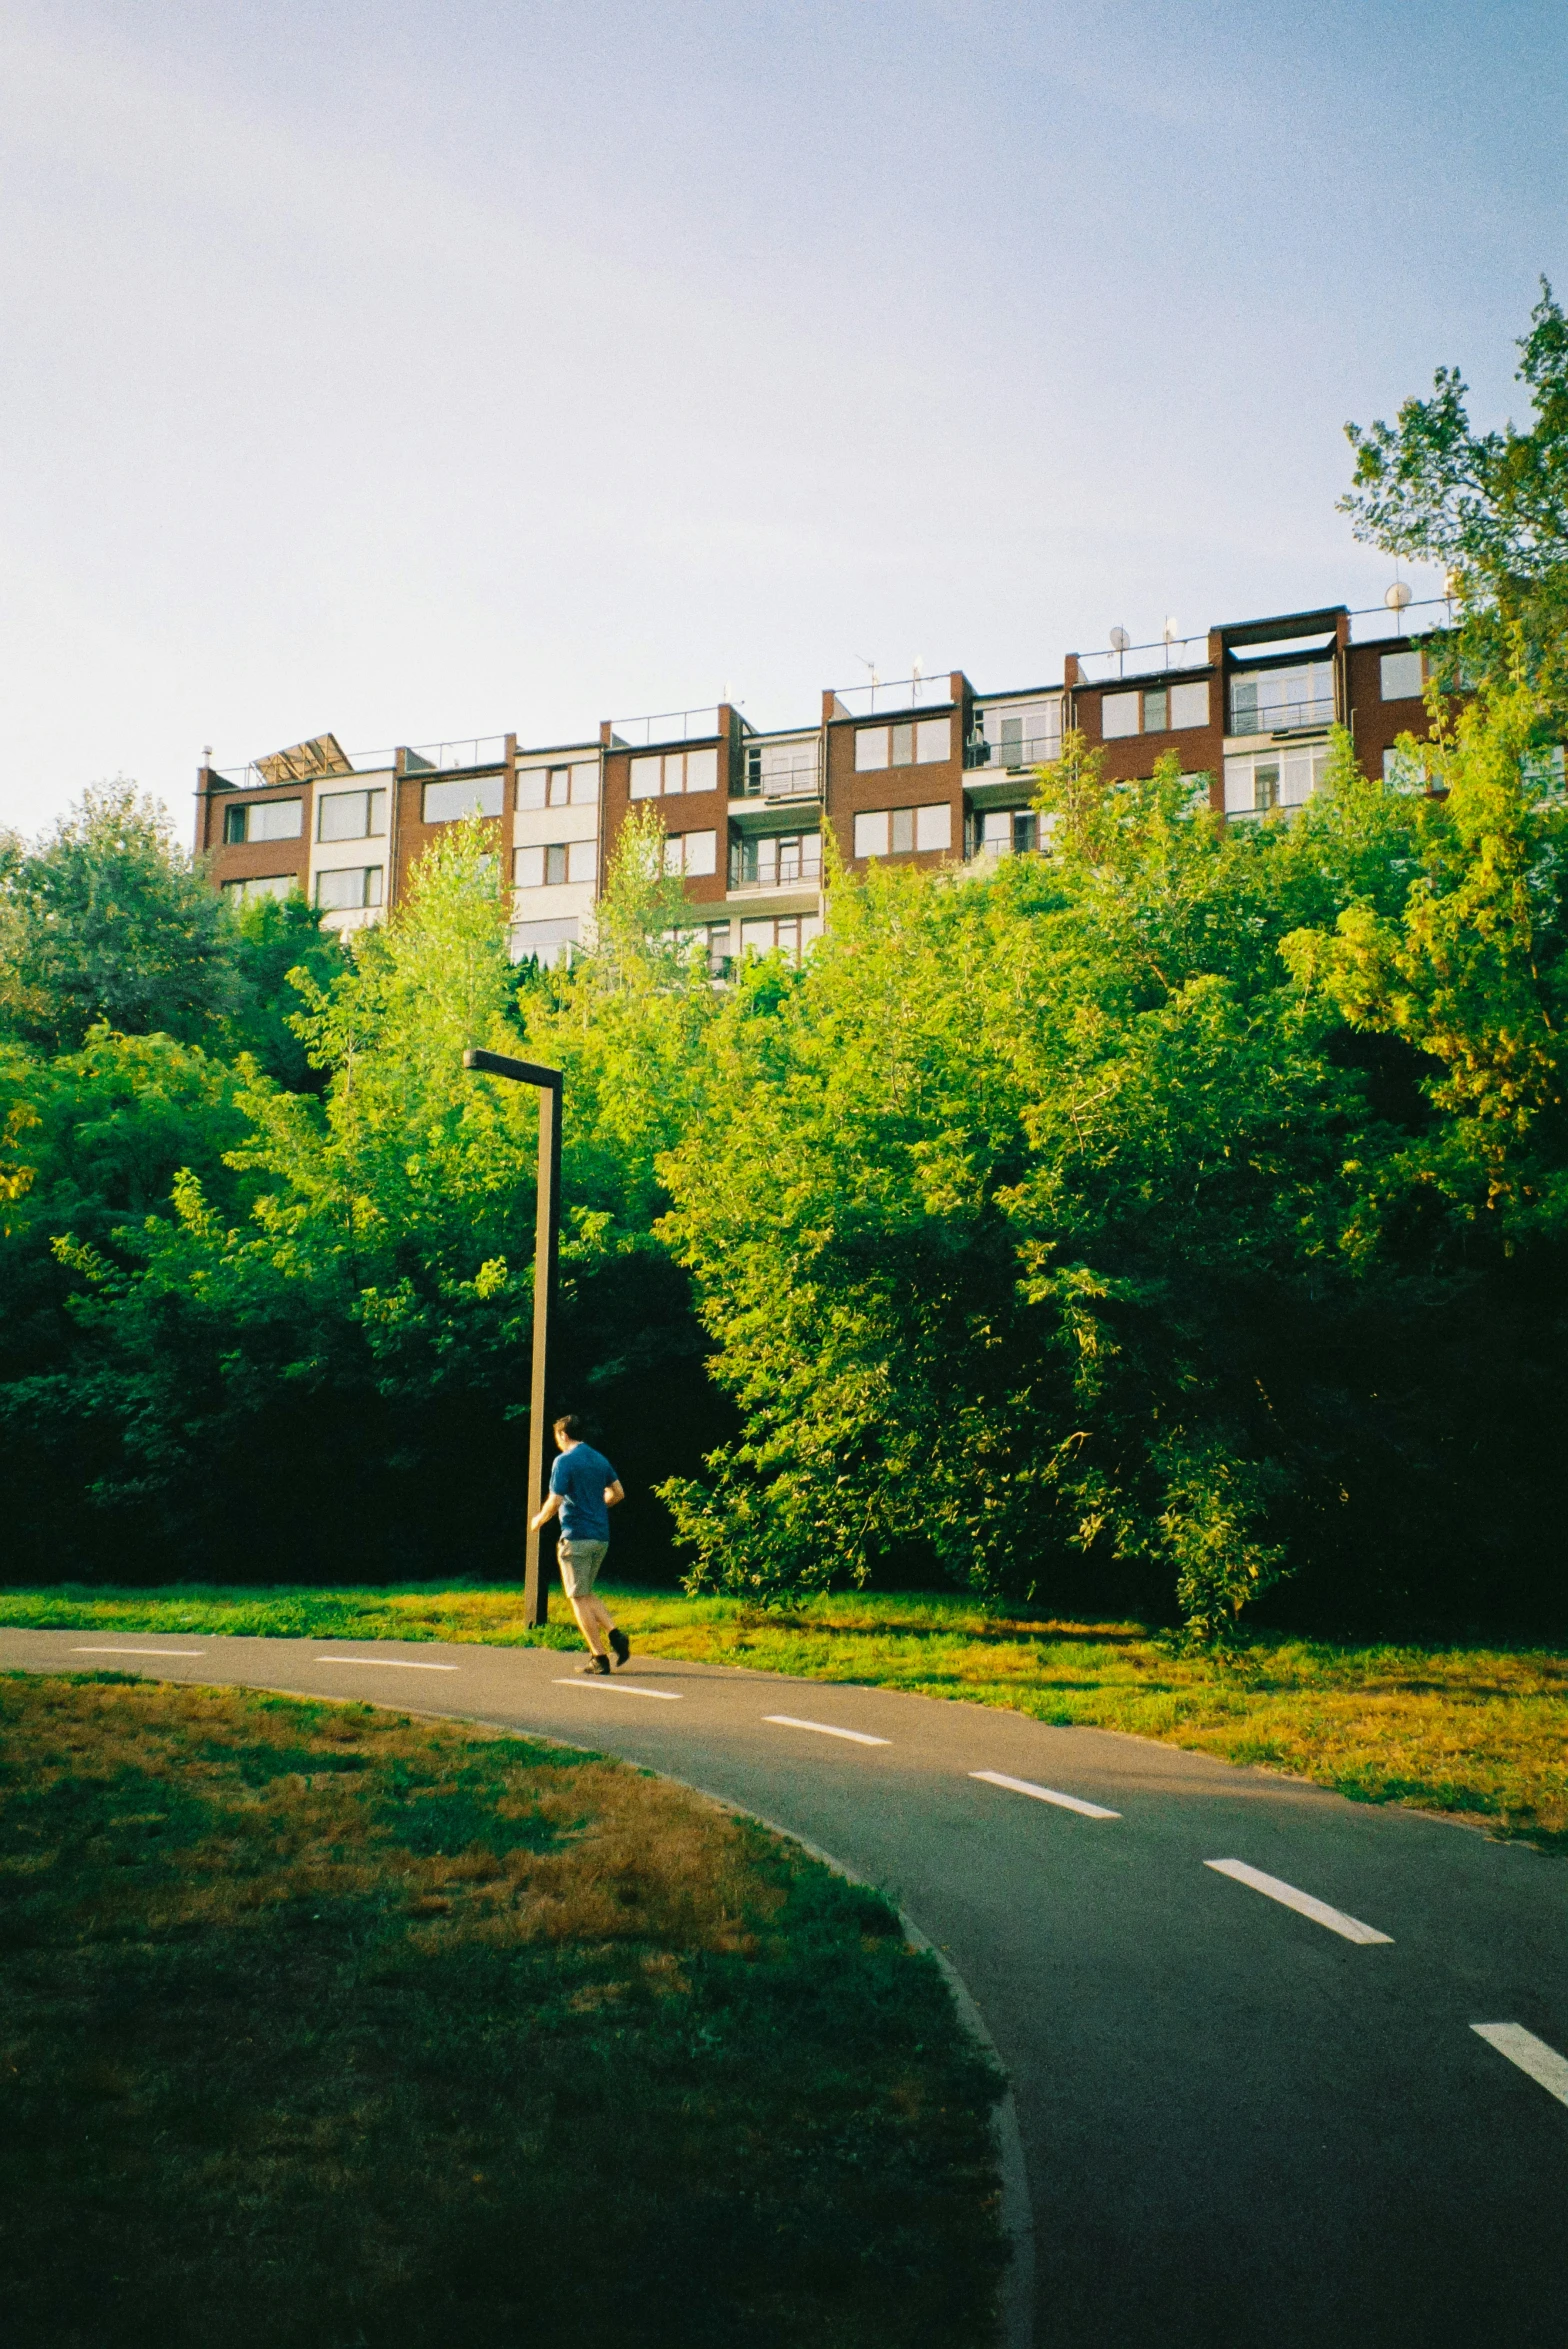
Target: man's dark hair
570,1424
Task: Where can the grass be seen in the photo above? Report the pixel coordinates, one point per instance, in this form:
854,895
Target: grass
322,2026
1476,1732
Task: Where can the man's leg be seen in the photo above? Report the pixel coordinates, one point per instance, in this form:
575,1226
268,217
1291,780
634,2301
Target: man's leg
592,1622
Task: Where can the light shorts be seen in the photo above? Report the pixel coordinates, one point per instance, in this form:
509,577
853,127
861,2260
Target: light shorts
579,1563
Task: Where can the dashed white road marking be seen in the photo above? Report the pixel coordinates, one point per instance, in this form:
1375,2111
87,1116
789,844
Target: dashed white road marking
387,1663
1274,1888
602,1681
826,1729
136,1651
1532,2055
1045,1794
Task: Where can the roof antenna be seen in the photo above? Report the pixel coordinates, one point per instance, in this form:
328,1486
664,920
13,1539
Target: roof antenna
875,676
1120,640
1172,636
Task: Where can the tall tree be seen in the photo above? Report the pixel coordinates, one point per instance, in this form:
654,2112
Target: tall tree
1490,508
109,920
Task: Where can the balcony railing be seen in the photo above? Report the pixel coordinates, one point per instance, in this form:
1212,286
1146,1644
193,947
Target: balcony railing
1005,757
1248,716
802,869
781,770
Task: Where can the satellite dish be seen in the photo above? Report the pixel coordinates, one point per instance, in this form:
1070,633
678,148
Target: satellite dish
1120,640
1172,632
1398,596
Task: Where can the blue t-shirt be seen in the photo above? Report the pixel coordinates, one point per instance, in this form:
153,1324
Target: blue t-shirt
580,1476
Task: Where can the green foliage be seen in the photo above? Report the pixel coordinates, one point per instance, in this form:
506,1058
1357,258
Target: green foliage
1042,1220
1491,508
107,921
228,1277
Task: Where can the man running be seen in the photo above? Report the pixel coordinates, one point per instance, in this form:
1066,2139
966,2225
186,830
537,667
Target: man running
584,1488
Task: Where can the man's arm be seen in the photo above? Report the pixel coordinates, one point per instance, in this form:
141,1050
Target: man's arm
552,1508
613,1493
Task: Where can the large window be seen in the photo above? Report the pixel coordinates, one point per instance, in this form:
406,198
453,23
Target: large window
351,815
1265,700
900,831
1007,831
576,785
347,890
544,942
775,860
661,776
1257,784
1154,709
263,819
470,795
788,934
1400,676
1018,734
692,853
553,862
919,742
782,770
266,885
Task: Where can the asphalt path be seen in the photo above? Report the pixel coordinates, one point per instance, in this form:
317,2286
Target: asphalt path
1256,2104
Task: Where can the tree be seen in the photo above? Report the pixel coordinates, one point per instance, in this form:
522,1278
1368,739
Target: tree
107,920
1491,508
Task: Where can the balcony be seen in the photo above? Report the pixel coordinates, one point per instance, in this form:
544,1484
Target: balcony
776,861
1282,701
781,770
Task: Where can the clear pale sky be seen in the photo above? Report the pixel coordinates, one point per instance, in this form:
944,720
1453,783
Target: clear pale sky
417,371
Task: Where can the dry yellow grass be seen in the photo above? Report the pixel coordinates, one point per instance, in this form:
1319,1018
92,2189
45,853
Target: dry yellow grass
323,2025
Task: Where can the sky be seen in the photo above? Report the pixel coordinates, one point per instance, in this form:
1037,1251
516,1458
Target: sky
418,371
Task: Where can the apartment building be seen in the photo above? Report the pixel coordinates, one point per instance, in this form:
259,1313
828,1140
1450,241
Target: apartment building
927,770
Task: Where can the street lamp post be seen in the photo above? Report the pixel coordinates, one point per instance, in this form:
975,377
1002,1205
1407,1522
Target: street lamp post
547,1250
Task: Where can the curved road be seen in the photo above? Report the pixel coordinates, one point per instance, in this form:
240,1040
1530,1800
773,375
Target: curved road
1256,2102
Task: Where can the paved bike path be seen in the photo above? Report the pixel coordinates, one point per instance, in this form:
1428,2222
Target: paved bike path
1244,2121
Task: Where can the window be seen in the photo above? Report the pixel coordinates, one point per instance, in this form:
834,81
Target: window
1266,780
472,795
348,889
782,770
919,742
1263,700
573,786
1008,831
662,776
1019,734
789,935
786,860
351,815
1401,676
1155,709
1543,770
543,942
899,831
1405,770
268,885
692,853
264,819
553,862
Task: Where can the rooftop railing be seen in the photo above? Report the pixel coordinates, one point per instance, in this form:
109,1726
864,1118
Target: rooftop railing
444,758
1144,660
879,700
669,726
1416,619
